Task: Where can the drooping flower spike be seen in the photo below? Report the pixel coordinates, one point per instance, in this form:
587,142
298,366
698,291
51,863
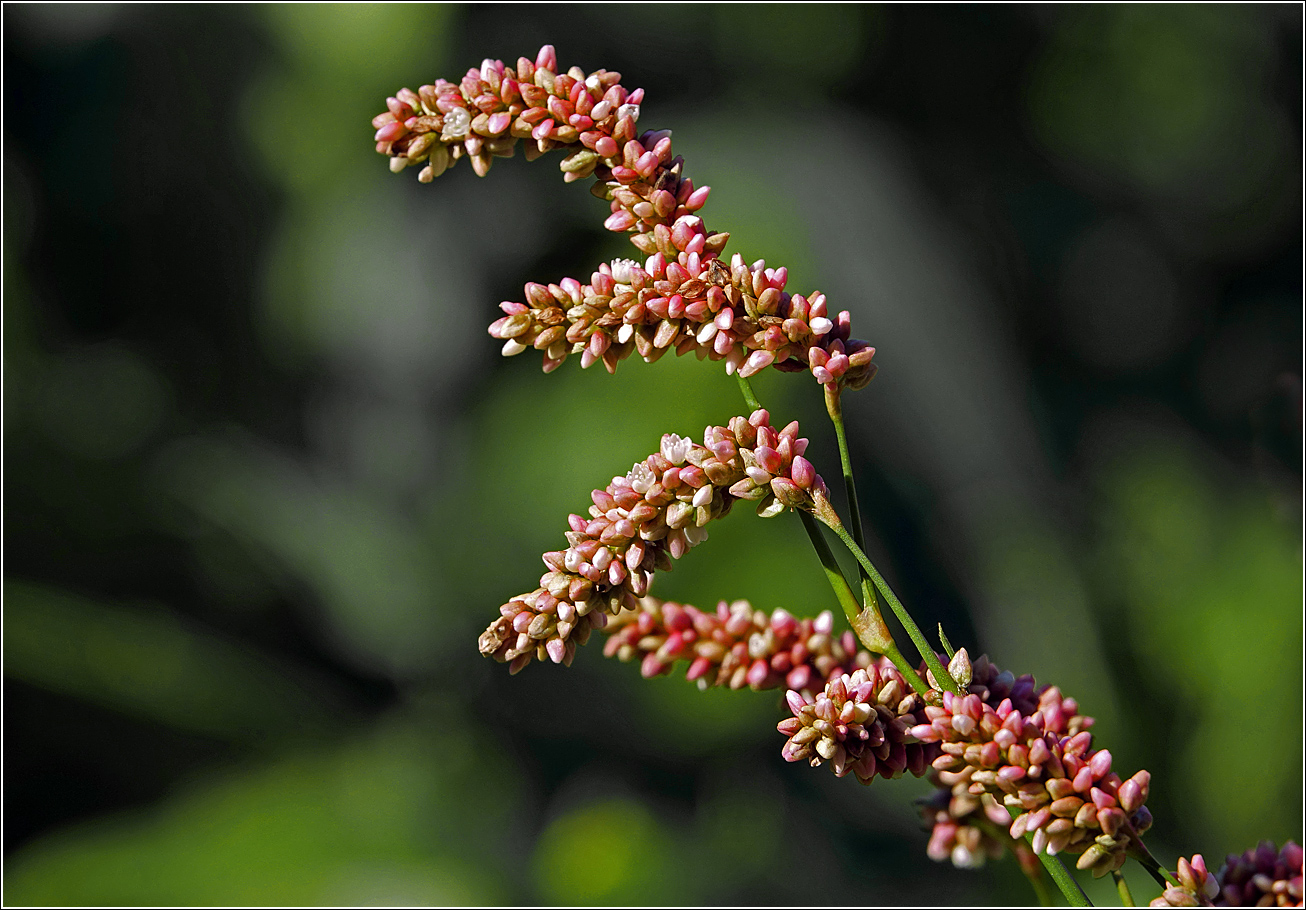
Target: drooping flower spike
655,513
682,297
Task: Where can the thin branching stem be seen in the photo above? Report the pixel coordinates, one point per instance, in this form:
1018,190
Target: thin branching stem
826,515
1122,888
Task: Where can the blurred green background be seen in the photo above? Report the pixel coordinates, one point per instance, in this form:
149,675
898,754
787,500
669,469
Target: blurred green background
266,476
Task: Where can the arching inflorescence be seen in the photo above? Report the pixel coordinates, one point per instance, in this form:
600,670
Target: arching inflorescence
683,296
657,512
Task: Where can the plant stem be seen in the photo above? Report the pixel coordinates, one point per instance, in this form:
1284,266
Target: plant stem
867,622
749,398
833,573
1122,887
834,407
948,649
1065,881
1145,859
1060,874
826,515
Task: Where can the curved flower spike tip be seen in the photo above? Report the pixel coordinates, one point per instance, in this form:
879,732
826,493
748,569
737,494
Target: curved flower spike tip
656,513
683,297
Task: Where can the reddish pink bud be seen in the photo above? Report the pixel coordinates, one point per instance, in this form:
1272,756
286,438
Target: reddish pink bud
391,131
697,198
620,221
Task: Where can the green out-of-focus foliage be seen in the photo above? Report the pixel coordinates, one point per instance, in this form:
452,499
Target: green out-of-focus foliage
267,477
381,819
1210,591
1170,98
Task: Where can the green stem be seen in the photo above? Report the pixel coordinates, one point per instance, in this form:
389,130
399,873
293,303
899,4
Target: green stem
834,408
833,573
948,649
1122,888
1060,874
1065,881
1145,859
867,623
826,515
749,398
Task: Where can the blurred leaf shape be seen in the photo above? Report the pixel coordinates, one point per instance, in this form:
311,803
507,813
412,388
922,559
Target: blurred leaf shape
385,820
148,663
310,118
369,569
611,852
1211,578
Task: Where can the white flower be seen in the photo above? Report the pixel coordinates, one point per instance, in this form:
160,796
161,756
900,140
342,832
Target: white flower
676,449
621,270
641,478
456,124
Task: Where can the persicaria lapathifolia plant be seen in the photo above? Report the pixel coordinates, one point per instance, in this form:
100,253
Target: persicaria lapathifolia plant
1014,764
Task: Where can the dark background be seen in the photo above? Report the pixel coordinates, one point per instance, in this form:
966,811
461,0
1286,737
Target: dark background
266,476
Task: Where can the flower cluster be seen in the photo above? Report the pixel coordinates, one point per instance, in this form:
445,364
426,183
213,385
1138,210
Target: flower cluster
1197,887
736,646
680,300
861,722
683,297
968,829
1262,877
1037,758
654,514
